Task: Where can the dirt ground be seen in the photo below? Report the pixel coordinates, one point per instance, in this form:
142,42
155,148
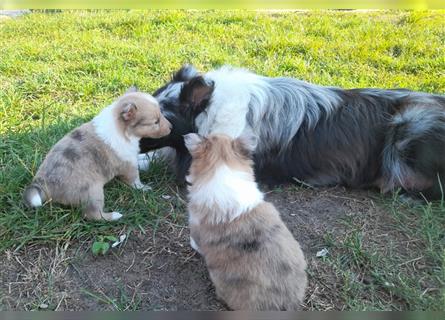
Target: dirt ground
160,271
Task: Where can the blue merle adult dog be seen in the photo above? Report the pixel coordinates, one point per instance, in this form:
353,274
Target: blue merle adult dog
387,139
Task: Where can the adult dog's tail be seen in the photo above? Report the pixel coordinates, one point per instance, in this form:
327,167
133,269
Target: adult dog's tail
414,154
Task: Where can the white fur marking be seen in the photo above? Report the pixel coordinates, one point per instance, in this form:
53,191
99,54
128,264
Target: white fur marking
127,148
194,245
273,109
36,201
230,193
230,102
173,91
193,219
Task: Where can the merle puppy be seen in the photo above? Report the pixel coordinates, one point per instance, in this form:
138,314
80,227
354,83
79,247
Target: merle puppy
387,139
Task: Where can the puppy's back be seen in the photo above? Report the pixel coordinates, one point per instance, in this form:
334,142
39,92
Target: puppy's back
75,163
254,262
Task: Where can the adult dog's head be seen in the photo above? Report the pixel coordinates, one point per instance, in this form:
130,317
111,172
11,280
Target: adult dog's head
181,100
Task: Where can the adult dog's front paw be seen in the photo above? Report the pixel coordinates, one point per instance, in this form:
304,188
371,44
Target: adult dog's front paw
140,186
144,160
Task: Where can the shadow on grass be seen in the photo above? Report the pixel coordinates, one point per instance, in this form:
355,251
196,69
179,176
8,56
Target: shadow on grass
22,153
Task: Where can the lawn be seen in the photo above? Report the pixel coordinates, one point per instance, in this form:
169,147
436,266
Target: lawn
58,69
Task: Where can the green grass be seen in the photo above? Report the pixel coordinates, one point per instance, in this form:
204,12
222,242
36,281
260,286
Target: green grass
58,70
396,264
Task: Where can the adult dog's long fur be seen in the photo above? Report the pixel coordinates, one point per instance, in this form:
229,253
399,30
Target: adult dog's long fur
322,135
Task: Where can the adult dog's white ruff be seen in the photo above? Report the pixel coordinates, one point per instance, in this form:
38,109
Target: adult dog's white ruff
240,94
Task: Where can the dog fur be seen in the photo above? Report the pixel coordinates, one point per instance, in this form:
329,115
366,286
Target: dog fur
78,166
252,258
388,139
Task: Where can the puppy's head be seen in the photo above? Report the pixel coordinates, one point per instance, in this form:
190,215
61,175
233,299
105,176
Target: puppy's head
179,99
210,153
139,115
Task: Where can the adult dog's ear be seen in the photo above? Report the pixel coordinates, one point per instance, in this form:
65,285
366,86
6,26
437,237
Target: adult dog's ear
186,73
195,95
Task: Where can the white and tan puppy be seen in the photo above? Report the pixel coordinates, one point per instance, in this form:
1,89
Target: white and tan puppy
78,166
253,260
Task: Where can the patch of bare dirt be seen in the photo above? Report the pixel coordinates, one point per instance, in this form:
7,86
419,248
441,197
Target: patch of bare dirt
161,272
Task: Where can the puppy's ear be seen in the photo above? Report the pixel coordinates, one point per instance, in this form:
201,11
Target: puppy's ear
128,111
195,95
185,73
192,141
133,88
246,144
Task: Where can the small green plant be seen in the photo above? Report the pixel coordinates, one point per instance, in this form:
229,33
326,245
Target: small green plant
102,245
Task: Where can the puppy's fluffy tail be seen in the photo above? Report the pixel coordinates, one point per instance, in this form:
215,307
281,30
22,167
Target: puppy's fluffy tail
34,196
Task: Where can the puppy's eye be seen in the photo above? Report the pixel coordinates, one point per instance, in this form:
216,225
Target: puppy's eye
157,121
